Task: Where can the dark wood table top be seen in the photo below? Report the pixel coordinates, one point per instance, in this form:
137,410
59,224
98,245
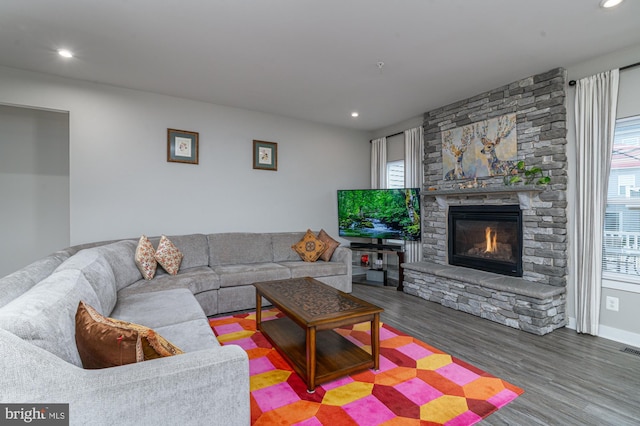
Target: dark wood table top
313,302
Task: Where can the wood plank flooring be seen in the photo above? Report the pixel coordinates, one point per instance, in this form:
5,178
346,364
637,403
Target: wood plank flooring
568,378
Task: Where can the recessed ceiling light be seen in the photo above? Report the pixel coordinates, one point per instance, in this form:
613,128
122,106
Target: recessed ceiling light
610,3
65,53
354,114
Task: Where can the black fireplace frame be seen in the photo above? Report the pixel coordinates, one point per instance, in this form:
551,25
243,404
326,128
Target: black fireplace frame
489,213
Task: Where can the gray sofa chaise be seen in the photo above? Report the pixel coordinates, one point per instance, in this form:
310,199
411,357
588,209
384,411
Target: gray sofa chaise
208,384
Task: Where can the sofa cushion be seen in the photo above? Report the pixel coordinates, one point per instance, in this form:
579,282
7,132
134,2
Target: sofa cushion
45,315
208,301
315,269
194,335
234,275
121,257
231,299
239,248
145,258
195,280
330,243
98,272
282,242
309,247
168,256
159,308
194,248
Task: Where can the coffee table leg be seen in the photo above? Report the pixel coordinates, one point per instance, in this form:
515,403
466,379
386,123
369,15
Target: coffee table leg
375,341
258,310
311,359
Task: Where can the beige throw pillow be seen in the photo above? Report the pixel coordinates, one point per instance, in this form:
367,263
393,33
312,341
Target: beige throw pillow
168,256
145,258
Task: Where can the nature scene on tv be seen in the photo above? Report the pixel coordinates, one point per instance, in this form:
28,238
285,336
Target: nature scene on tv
392,214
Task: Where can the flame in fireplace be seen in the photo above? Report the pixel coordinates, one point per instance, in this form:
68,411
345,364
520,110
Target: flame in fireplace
492,240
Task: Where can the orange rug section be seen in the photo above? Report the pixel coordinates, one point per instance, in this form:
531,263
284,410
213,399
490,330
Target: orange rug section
417,384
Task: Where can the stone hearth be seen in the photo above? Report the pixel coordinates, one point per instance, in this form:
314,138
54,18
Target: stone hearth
514,302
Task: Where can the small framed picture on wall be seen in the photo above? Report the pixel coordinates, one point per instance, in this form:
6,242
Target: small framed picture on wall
182,146
265,155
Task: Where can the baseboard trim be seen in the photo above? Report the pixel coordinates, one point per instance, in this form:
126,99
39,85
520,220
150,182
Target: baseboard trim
622,336
611,333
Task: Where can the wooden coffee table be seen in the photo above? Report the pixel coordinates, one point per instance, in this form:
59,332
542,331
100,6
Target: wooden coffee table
305,336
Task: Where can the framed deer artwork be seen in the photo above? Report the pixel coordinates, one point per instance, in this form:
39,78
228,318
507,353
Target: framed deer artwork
485,148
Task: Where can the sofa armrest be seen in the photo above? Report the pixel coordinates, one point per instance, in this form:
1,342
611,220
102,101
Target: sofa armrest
202,387
344,254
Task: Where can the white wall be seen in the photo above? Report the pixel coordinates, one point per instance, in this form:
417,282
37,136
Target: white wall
399,127
624,325
122,186
34,185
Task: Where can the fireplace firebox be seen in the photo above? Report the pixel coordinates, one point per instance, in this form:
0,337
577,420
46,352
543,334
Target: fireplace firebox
488,238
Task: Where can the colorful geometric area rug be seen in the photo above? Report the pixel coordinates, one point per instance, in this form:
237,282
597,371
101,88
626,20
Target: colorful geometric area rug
417,384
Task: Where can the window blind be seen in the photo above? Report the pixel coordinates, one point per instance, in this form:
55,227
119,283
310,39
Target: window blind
621,242
395,174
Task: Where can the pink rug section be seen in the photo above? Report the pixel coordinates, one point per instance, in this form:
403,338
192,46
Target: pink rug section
417,384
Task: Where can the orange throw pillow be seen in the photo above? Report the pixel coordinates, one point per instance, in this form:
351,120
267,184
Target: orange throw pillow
309,248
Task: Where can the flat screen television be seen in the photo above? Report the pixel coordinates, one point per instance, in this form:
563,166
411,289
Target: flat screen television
392,214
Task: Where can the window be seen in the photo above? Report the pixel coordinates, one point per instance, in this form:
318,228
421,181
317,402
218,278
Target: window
625,183
621,242
395,174
611,221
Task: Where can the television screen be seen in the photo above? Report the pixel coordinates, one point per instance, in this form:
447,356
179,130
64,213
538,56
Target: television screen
392,214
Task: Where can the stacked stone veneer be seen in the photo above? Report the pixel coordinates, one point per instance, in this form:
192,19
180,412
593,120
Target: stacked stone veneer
536,308
535,302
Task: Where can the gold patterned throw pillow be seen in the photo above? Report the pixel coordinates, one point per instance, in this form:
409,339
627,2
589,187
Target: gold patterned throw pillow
106,342
309,248
168,256
330,244
145,258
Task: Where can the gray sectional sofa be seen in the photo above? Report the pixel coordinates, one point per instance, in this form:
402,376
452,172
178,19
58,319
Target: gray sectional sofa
208,384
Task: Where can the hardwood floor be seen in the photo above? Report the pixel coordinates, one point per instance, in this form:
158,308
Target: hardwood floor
568,378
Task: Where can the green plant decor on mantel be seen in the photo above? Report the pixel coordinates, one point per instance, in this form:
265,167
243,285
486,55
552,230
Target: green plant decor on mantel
519,173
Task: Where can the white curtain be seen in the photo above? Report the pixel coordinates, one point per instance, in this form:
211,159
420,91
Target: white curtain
595,108
413,176
379,163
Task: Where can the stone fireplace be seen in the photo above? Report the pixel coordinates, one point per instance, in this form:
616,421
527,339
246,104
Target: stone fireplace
488,238
526,287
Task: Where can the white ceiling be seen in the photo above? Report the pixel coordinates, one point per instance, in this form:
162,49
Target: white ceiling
313,59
